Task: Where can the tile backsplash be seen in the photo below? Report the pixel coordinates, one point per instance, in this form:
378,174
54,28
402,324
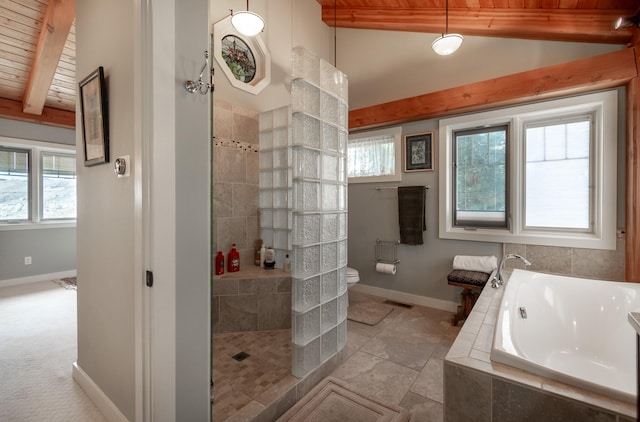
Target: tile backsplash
577,262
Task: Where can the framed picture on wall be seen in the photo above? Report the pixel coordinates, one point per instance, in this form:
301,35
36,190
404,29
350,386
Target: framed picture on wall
95,120
418,152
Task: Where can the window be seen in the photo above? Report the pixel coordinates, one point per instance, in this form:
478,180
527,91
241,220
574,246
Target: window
58,186
374,156
481,177
14,184
37,184
541,174
557,174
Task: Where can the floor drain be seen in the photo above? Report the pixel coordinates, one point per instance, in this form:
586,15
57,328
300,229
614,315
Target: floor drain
240,356
394,303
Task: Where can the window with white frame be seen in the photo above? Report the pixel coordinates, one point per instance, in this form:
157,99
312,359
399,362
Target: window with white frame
374,156
541,173
37,184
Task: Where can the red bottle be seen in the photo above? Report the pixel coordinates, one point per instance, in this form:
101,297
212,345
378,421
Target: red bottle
233,260
219,263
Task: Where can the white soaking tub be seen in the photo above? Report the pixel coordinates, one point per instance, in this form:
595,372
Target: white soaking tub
573,330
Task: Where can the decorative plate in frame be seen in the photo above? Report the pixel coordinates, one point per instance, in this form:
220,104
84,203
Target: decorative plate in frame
245,61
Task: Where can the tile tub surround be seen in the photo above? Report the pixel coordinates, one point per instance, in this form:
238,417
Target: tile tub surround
253,299
478,389
575,262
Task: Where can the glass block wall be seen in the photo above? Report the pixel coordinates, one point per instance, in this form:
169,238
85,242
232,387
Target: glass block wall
319,238
303,201
276,188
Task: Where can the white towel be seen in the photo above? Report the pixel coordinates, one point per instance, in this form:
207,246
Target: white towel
485,264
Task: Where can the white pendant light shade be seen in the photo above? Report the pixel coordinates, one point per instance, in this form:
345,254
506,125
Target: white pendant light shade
447,44
247,23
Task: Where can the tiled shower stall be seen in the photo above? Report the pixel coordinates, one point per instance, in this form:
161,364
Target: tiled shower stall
303,202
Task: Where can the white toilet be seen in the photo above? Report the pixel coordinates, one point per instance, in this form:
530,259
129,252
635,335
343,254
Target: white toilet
352,277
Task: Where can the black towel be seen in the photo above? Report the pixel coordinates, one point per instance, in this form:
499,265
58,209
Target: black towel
411,213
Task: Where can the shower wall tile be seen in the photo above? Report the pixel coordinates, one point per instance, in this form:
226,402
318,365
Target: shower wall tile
253,168
228,231
245,200
235,180
250,304
222,200
231,164
238,313
225,287
223,120
274,311
283,285
245,129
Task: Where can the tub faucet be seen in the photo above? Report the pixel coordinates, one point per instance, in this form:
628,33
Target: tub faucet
497,279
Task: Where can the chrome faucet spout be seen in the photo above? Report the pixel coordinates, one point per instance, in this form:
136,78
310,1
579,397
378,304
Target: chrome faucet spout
497,279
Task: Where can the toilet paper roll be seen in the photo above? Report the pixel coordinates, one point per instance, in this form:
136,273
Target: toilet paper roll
385,268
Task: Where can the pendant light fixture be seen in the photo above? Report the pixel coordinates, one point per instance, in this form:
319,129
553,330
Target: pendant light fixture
247,23
447,43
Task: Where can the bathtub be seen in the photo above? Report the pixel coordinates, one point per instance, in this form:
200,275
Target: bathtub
572,330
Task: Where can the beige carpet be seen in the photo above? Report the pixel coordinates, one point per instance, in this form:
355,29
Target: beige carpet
369,313
37,349
333,401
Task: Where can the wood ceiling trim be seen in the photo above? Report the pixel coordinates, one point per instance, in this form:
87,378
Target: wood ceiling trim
598,72
53,35
12,109
574,25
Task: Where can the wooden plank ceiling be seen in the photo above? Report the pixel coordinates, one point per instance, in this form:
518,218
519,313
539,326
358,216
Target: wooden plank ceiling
37,61
37,37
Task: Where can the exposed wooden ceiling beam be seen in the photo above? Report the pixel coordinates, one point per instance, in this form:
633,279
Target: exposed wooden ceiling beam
12,109
53,35
578,25
598,72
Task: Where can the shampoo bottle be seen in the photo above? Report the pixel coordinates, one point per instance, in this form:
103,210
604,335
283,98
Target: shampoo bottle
233,260
286,264
263,252
219,263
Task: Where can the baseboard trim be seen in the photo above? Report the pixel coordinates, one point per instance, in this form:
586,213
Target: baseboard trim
109,410
37,278
403,297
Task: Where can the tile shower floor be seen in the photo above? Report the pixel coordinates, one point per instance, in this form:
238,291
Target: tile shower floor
399,361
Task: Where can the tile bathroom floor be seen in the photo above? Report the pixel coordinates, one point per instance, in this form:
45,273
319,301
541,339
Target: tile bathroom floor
398,361
255,379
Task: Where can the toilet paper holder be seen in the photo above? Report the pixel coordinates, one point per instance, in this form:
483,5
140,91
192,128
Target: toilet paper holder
387,251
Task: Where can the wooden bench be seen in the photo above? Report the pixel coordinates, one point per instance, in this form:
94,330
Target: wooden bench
472,282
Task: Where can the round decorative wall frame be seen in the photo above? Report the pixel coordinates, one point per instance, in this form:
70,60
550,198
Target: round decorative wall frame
245,61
